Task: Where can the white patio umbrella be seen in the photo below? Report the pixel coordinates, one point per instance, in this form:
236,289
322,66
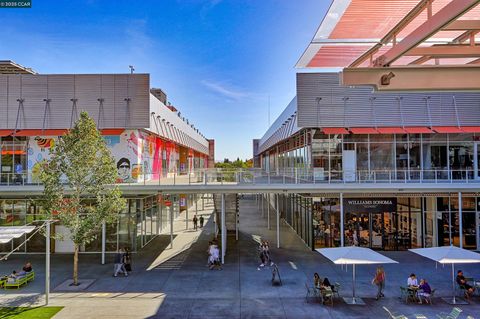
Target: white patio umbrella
353,255
449,255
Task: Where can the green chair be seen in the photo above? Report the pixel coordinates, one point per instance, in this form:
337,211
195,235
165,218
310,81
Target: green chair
30,276
392,316
311,293
430,298
2,282
336,289
17,283
454,314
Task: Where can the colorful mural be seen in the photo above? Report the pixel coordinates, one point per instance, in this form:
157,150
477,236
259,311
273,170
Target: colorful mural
139,156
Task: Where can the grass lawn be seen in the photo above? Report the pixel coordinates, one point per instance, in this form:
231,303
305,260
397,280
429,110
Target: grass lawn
28,312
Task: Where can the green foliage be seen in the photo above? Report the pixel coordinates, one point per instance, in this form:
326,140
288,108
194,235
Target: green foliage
227,164
79,182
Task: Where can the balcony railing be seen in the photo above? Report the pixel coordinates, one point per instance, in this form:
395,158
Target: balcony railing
286,176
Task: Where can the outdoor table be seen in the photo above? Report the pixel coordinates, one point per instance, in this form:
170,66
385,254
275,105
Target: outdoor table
415,290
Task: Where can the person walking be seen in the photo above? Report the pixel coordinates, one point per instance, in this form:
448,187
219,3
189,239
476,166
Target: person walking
127,260
201,220
379,281
119,266
195,222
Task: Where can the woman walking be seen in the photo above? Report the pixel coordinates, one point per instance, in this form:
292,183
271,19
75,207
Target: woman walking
379,280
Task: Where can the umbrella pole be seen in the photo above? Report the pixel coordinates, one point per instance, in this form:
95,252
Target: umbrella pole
353,275
453,283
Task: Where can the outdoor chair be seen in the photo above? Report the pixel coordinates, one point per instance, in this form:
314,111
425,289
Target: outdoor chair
327,296
2,282
17,283
30,276
430,298
392,316
454,314
336,289
311,292
408,294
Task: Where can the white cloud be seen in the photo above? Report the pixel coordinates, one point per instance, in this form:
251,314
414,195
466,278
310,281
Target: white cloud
222,89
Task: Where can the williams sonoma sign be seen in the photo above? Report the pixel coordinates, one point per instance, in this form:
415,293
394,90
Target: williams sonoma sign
369,205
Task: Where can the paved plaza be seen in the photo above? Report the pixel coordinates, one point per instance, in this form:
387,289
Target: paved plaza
183,287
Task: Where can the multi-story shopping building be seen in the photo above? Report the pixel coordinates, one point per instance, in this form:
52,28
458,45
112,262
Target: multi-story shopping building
333,134
149,138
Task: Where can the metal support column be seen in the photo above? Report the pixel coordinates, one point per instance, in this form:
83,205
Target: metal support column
342,231
171,225
224,231
263,206
268,211
278,220
104,237
460,219
47,262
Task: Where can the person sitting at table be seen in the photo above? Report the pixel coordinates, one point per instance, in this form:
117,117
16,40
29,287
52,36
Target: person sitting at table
326,284
412,281
424,292
317,282
461,281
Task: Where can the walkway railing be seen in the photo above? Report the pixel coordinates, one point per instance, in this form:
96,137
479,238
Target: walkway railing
286,176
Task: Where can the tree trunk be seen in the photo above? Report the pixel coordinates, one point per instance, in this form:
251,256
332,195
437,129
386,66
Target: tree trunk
75,266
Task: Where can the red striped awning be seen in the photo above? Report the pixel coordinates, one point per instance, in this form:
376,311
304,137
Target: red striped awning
471,129
363,130
334,130
447,129
418,130
390,130
5,132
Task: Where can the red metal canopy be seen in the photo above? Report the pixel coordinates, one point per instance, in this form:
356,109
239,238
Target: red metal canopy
447,129
334,130
471,129
417,130
391,130
363,130
5,132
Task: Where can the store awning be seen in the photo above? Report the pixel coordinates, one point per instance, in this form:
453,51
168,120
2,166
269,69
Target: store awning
471,129
334,130
8,233
40,132
418,130
112,131
447,129
363,130
5,132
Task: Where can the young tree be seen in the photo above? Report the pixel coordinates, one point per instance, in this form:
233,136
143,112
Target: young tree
79,185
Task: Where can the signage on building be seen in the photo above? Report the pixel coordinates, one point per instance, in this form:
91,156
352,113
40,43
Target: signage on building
369,205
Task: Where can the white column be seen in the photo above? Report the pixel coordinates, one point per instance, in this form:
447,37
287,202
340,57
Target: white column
342,232
47,262
171,225
460,219
268,210
263,206
104,231
196,204
186,212
224,231
278,221
160,225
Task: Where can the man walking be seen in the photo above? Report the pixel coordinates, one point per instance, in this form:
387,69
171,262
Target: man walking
201,221
195,222
119,265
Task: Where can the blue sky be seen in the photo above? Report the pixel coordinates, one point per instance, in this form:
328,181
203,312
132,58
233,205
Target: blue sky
218,61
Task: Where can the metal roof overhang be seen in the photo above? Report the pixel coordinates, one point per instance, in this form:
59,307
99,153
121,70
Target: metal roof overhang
378,34
29,191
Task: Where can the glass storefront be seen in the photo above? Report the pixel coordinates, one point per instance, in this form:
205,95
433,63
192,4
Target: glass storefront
142,220
409,222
